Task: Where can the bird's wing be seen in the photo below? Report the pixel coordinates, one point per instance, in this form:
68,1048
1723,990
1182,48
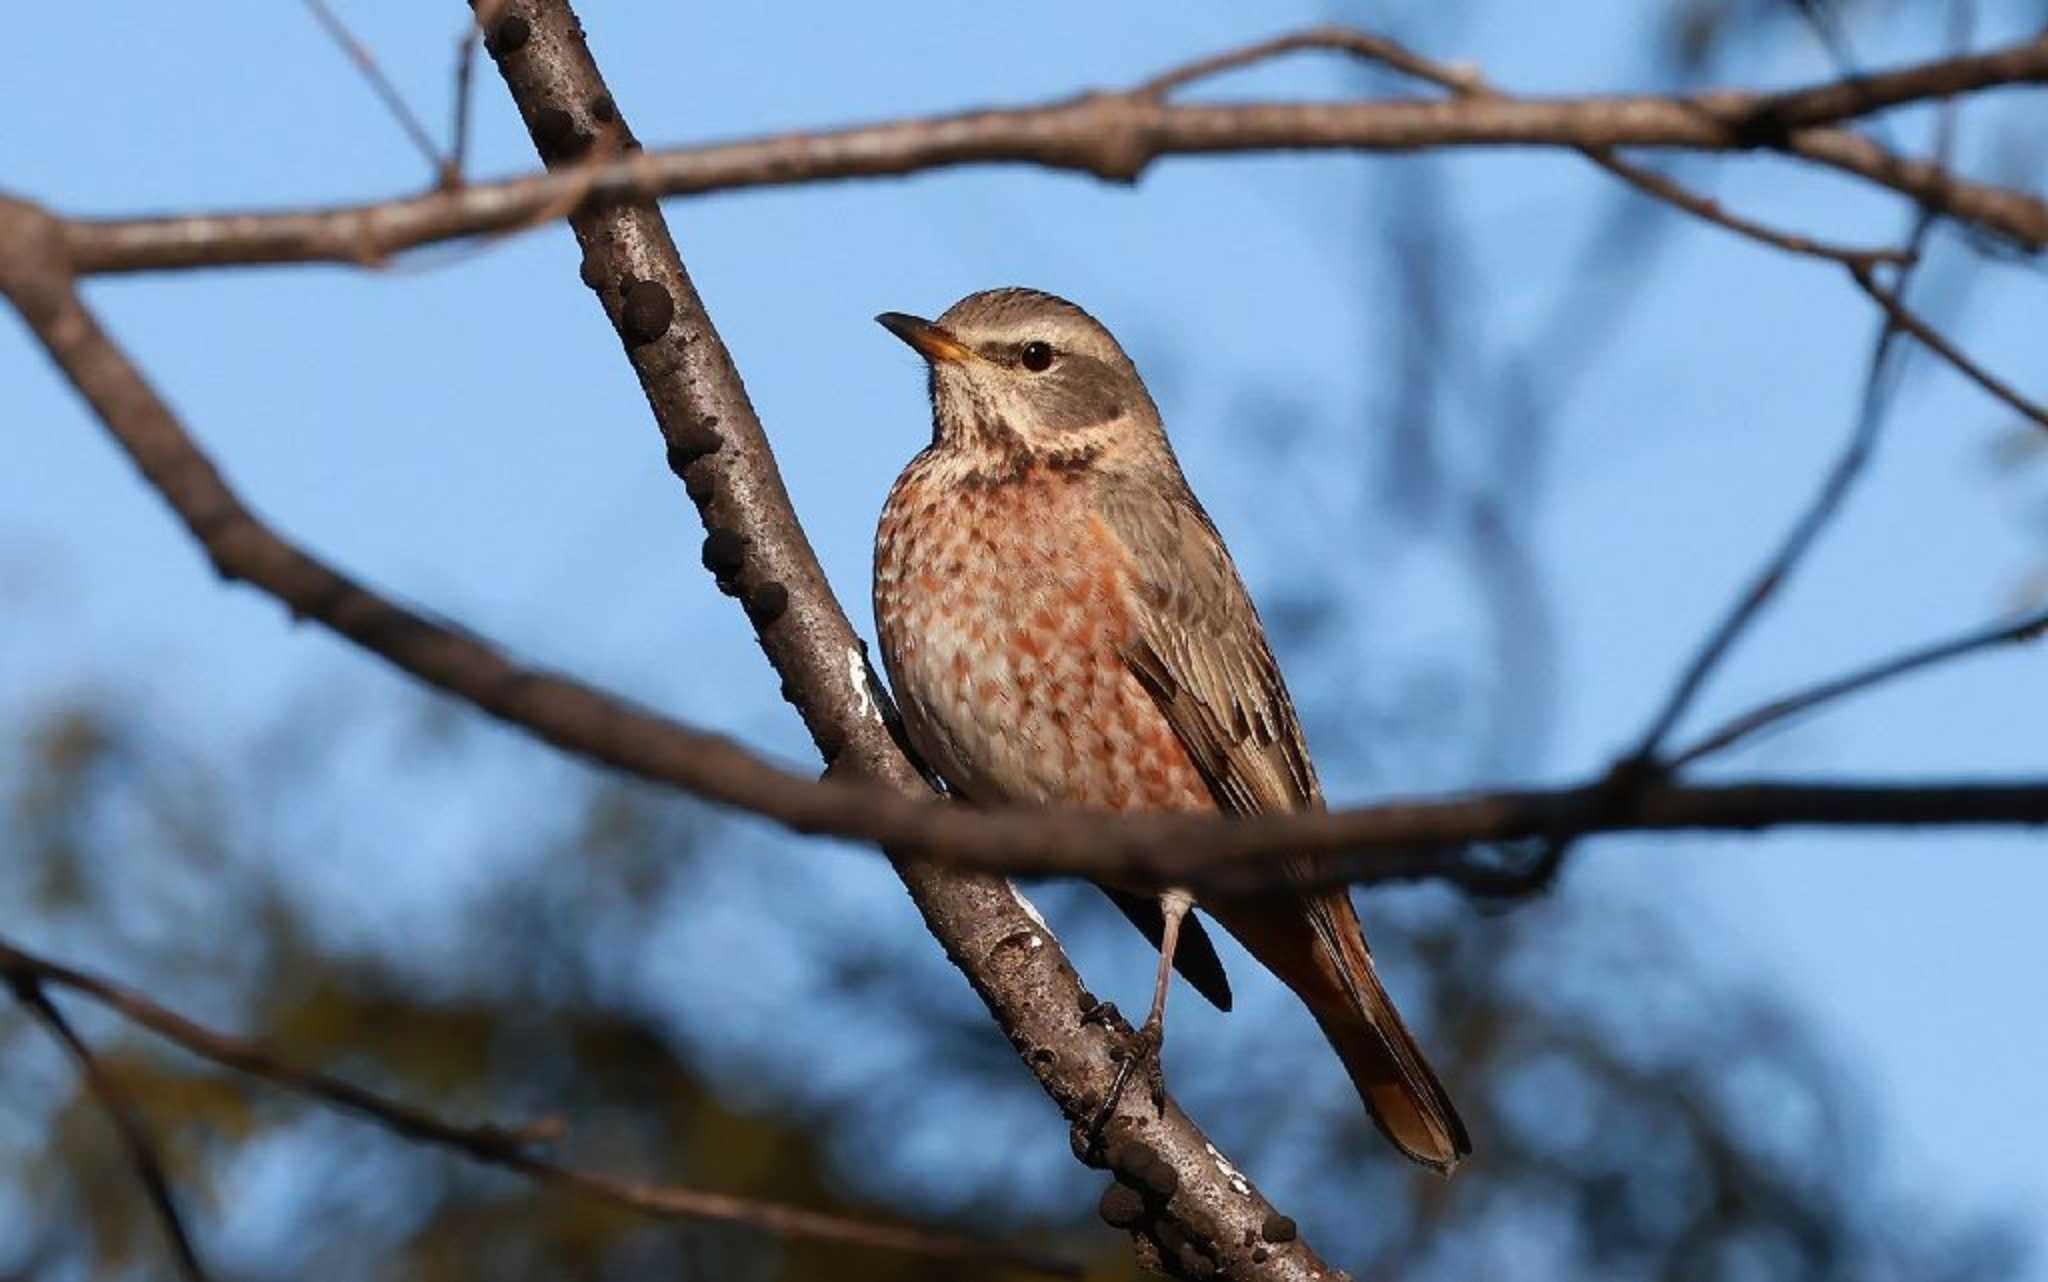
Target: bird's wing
1199,648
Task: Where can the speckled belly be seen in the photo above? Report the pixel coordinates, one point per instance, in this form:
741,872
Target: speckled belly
1003,615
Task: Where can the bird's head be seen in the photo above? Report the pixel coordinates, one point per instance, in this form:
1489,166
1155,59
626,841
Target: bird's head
1021,376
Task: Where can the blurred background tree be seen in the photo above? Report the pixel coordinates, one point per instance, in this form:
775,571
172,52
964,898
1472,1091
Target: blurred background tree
700,999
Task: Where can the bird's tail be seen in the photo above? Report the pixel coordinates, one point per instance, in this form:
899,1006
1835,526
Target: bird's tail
1400,1089
1321,954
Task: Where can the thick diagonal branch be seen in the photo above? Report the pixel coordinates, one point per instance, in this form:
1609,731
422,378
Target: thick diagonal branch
759,553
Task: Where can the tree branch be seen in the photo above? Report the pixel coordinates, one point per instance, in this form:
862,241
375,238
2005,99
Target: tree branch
590,723
1116,136
1932,340
1835,486
1644,765
26,982
1813,520
455,171
387,93
1860,262
510,1149
1466,82
1707,209
2026,628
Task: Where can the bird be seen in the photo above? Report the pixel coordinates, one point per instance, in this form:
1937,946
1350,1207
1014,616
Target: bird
1062,624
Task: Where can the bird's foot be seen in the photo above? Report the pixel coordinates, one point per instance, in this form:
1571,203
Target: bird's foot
1134,1052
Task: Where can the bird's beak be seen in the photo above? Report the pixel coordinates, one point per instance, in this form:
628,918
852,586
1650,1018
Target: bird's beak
931,341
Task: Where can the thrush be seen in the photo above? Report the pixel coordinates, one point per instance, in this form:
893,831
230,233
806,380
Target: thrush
1062,624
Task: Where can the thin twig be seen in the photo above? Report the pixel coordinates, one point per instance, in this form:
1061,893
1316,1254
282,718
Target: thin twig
1116,135
1466,82
1628,777
1859,261
458,129
25,978
2026,628
1932,340
455,170
1962,20
1366,45
510,1148
1835,486
1652,183
380,84
1813,520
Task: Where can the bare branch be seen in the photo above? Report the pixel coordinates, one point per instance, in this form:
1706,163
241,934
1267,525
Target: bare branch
458,129
1931,339
454,173
580,719
1835,486
380,84
1654,184
25,980
509,1148
2026,628
1962,17
1365,45
1466,82
1633,771
1117,135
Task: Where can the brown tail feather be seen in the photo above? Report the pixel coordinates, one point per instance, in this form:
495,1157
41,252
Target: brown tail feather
1342,989
1399,1088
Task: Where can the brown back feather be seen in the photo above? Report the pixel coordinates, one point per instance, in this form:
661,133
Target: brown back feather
1200,650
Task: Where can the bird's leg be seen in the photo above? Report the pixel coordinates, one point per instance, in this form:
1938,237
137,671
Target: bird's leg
1142,1051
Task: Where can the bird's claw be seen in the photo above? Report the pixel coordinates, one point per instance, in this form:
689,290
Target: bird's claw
1134,1052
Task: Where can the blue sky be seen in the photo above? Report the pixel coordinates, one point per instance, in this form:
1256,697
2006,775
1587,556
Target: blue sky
464,434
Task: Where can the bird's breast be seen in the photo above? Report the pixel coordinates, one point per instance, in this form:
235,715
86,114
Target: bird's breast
1004,615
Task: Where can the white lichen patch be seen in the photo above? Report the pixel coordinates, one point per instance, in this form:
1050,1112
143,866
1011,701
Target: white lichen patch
1031,911
1231,1175
857,677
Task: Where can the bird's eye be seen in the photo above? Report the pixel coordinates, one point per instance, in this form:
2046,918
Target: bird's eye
1037,356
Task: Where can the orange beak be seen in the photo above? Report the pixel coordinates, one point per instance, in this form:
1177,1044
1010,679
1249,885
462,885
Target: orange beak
931,341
